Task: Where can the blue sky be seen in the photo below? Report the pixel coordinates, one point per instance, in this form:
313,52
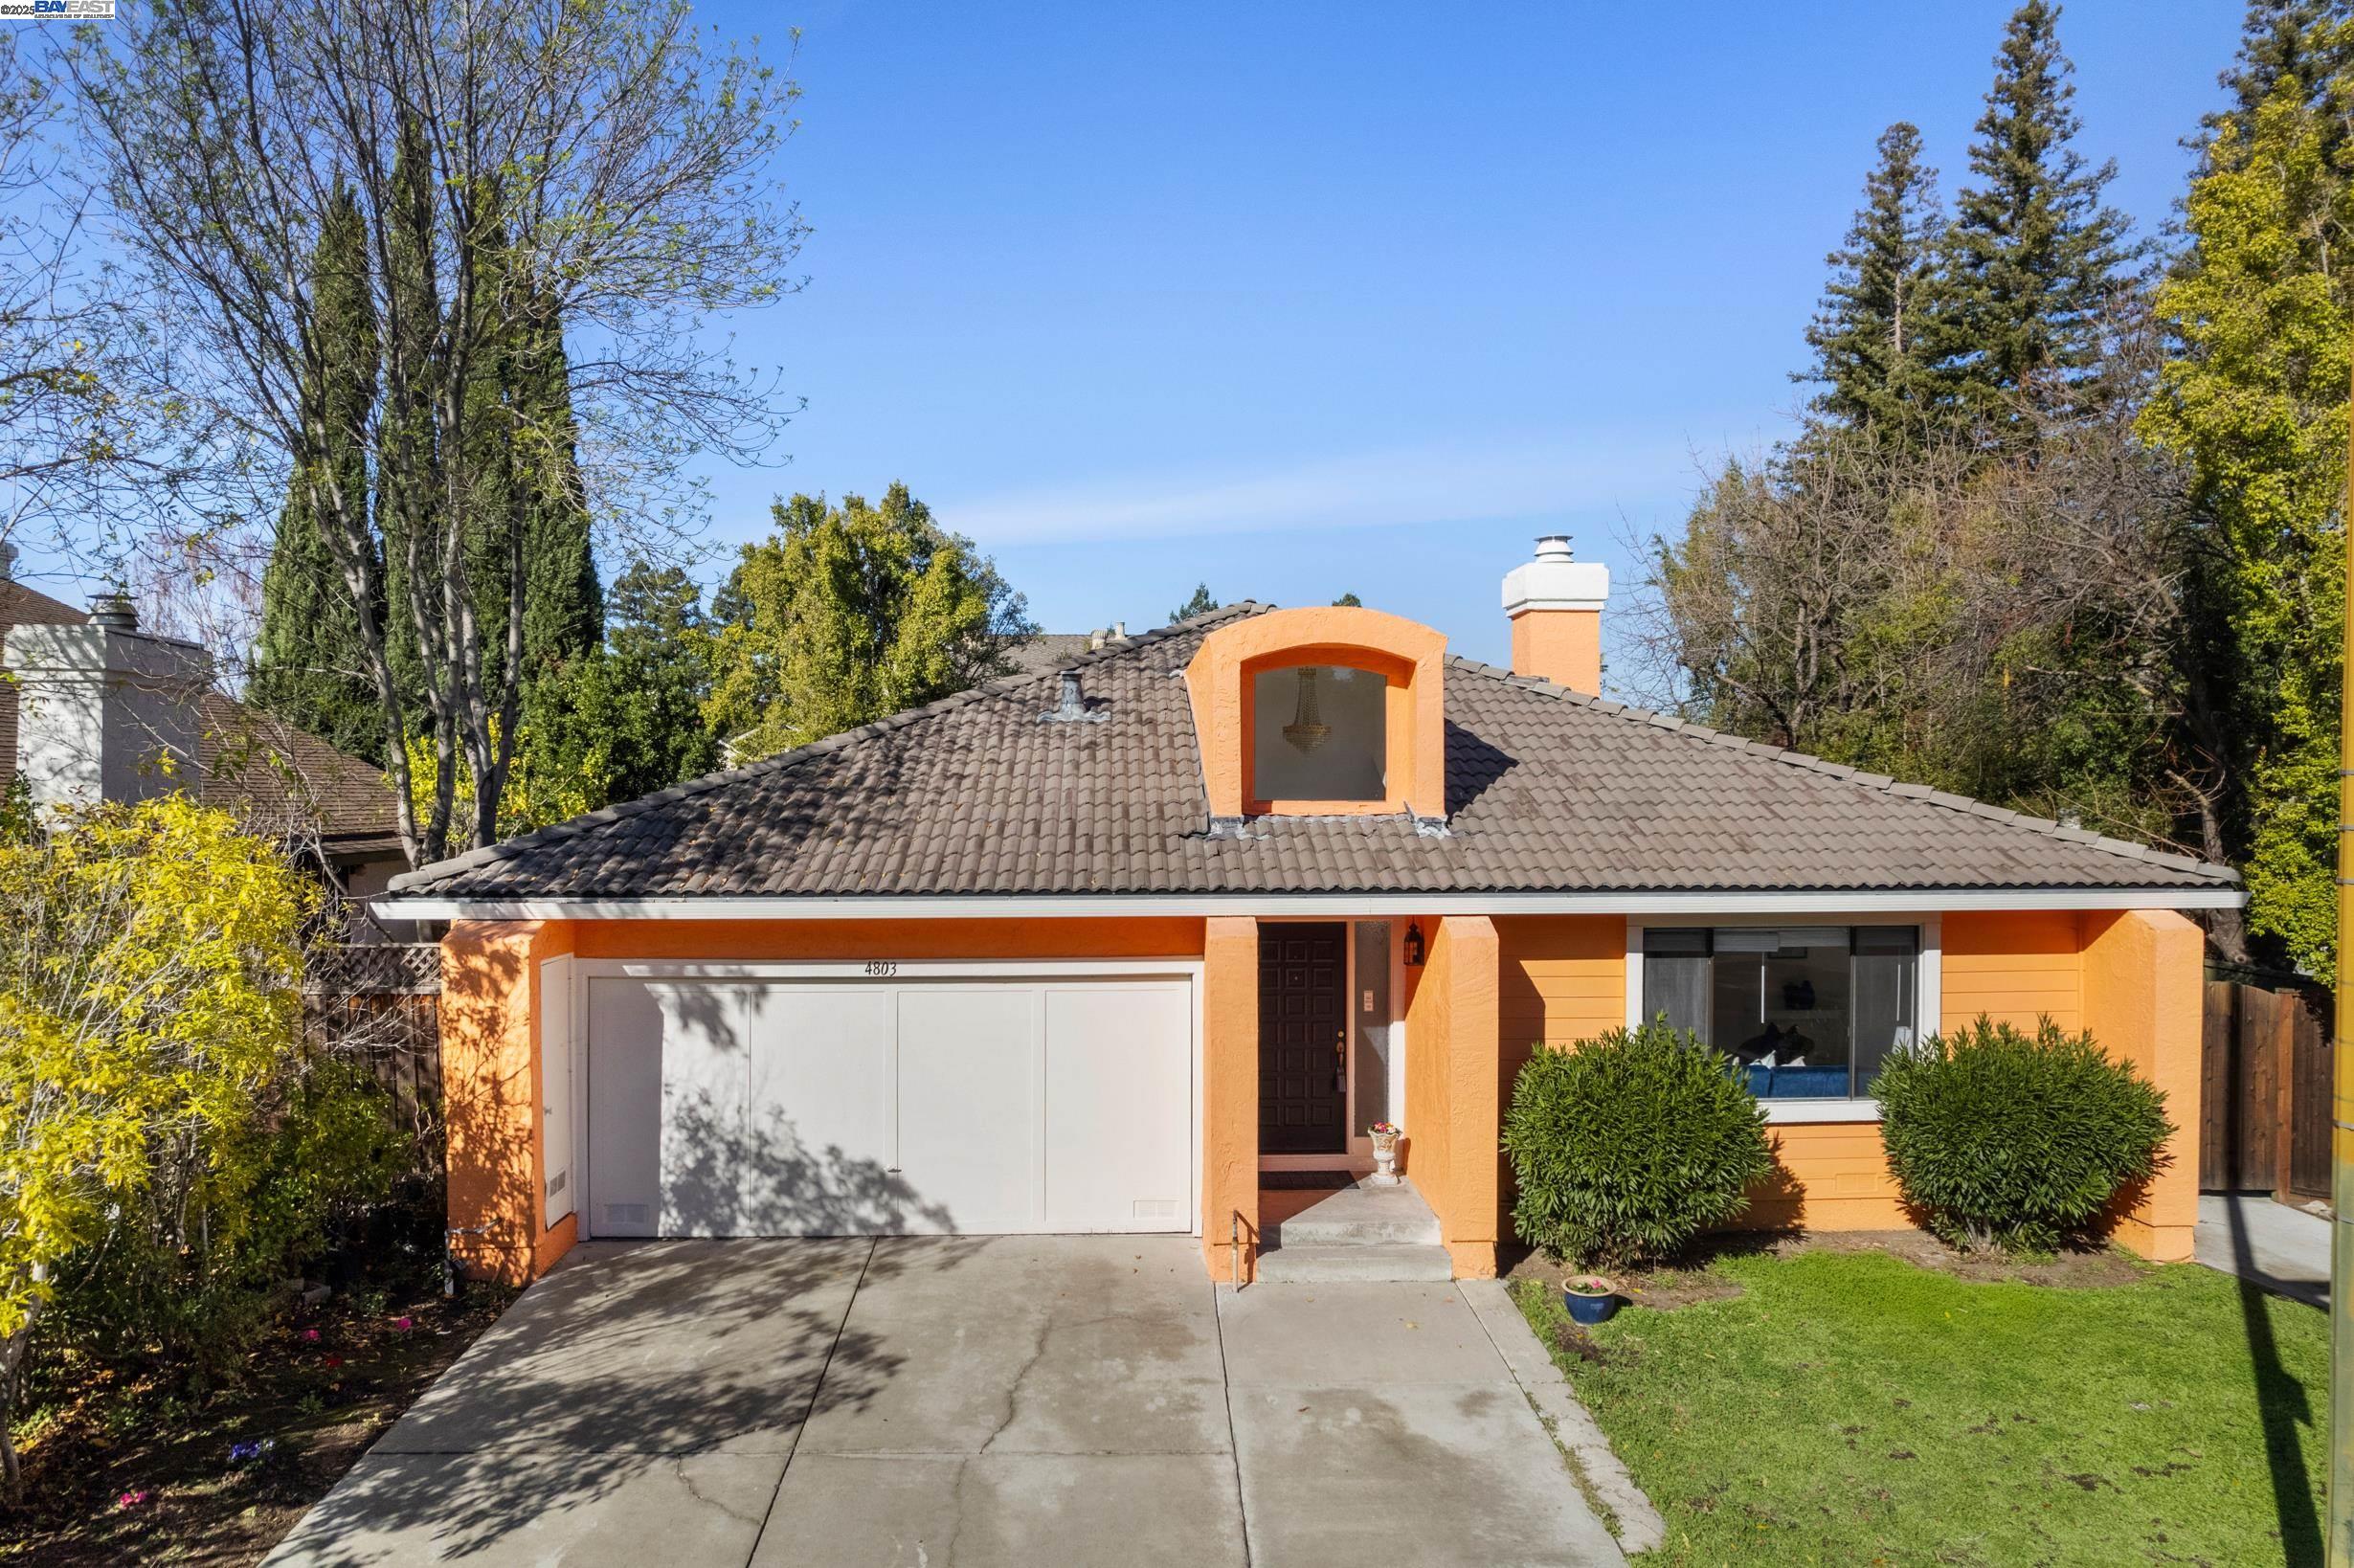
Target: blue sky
1305,299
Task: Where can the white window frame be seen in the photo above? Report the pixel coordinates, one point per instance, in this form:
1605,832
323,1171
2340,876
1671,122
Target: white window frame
1929,978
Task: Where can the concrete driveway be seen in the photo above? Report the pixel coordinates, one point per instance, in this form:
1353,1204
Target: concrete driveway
959,1401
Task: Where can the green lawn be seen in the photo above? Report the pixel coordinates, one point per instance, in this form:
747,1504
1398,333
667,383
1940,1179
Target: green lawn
1855,1408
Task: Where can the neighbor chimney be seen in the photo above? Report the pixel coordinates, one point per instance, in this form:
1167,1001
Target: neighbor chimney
105,710
1556,608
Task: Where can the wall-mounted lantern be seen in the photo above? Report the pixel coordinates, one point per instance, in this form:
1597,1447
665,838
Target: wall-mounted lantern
1414,944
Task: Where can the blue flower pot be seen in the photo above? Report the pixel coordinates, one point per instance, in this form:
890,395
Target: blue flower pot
1589,1309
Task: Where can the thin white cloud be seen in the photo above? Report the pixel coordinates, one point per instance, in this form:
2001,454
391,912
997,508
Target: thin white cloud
1458,483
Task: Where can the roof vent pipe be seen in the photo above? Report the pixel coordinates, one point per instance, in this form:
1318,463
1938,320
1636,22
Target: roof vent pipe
1073,707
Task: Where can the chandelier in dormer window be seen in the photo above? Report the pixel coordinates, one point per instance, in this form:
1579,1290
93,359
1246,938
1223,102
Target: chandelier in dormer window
1306,729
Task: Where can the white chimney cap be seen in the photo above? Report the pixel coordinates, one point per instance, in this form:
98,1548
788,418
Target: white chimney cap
1555,580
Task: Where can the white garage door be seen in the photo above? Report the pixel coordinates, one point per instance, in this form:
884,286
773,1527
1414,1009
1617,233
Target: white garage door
849,1107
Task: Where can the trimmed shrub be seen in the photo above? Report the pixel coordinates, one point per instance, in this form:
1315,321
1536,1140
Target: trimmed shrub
2005,1140
1626,1147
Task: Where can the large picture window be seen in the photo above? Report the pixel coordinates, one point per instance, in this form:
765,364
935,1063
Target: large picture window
1808,1011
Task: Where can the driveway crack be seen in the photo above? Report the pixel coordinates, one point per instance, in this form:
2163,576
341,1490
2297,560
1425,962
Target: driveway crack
816,1389
1234,1449
1013,1390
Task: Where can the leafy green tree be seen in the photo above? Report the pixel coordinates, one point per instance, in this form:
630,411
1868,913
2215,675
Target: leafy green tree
628,717
1874,336
2256,401
308,668
152,1071
2038,265
1200,604
1350,601
849,613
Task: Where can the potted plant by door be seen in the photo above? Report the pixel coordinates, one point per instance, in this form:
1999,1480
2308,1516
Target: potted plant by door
1590,1298
1384,1153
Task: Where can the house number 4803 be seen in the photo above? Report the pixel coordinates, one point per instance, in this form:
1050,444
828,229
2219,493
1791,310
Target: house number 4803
882,966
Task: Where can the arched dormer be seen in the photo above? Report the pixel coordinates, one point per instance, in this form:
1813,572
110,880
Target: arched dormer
1320,712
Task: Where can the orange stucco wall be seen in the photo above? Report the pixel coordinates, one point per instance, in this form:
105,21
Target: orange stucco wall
1411,655
1563,646
747,940
1489,993
1453,1107
2132,978
1230,1096
2144,984
490,1083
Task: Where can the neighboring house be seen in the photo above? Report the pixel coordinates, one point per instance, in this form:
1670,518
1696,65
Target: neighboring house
1091,949
1051,650
95,708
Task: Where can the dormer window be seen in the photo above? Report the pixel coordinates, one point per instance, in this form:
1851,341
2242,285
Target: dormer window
1321,733
1321,712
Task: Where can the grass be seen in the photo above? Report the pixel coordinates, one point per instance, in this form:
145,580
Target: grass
1853,1408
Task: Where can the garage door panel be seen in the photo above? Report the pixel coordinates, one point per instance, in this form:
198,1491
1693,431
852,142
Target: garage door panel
816,1159
1117,1070
625,1100
968,1107
754,1108
706,1133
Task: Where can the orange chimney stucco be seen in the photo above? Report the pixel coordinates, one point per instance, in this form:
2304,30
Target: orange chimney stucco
1555,603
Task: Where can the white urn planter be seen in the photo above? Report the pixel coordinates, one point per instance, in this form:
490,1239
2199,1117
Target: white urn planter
1386,1155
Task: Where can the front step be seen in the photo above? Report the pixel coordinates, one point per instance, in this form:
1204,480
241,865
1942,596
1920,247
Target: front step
1361,1232
1323,1263
1363,1215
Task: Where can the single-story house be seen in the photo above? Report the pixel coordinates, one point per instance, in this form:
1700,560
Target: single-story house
1095,948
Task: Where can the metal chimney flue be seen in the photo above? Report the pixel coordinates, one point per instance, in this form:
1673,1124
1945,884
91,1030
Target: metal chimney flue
1073,706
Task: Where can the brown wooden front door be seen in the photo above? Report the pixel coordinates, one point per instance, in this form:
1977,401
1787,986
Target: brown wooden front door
1303,1067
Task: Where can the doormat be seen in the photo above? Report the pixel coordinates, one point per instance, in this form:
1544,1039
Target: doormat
1305,1181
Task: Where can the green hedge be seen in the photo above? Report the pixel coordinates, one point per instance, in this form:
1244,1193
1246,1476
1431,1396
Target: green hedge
2005,1140
1627,1146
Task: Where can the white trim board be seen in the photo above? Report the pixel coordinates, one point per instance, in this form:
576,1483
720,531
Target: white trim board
1081,905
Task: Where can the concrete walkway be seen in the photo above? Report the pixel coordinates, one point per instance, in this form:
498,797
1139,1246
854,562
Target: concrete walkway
2282,1249
965,1401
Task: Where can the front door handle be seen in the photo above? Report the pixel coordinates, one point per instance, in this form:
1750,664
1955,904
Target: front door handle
1340,1063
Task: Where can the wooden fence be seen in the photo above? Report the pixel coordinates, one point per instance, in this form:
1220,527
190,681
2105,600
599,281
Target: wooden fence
2264,1087
381,1004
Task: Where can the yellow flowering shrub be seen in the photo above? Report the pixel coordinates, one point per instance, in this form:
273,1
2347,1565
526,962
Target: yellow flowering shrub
152,1073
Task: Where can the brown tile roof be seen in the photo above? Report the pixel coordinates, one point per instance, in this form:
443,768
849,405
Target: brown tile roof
277,778
1547,790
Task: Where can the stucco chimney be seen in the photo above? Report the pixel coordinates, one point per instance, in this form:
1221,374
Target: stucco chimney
1554,603
106,712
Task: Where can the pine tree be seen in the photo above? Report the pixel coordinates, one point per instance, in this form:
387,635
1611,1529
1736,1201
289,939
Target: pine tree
307,666
2036,261
1874,336
2294,43
1200,604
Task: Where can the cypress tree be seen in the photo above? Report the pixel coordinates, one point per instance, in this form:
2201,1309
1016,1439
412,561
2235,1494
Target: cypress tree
1874,336
564,612
307,666
414,313
2038,261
